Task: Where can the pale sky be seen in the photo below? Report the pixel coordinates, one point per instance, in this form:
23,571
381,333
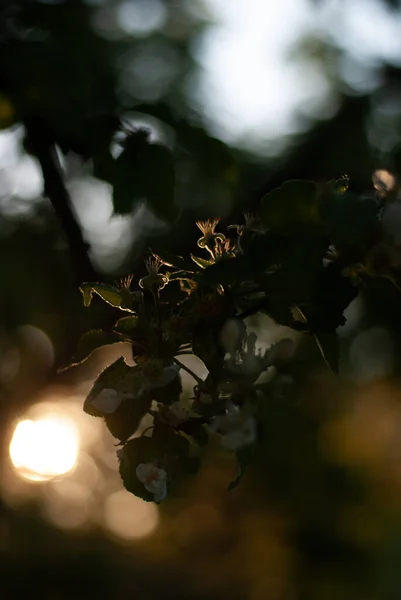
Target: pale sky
249,90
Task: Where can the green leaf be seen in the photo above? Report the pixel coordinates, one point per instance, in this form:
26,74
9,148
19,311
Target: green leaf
137,451
119,298
115,377
201,262
293,204
92,340
244,456
328,345
127,325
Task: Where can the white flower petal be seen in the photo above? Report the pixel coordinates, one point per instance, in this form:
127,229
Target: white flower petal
107,401
153,478
162,492
143,471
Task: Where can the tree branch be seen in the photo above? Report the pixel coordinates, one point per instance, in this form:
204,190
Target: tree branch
40,145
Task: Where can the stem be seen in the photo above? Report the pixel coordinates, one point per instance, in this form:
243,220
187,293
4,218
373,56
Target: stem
146,430
41,145
155,294
188,370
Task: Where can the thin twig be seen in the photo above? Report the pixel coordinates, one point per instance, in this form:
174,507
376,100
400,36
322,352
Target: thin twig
188,370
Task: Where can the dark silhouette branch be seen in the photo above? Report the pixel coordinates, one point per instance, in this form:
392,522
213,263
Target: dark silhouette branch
40,145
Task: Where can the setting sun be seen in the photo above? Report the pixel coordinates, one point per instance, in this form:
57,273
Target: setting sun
45,448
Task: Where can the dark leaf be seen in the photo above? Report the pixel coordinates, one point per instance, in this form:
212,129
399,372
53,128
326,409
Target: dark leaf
124,422
290,206
114,376
350,221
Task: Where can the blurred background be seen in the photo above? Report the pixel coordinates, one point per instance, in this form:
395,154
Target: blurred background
246,94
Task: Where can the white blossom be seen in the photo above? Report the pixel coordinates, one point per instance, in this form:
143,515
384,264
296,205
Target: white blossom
154,479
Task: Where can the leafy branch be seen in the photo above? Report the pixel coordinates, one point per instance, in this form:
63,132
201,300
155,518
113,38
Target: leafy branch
302,261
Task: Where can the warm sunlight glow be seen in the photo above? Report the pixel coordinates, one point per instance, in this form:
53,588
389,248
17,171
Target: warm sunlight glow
43,449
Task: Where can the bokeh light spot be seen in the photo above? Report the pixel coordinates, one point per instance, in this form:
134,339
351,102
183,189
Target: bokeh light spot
43,449
141,17
128,517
